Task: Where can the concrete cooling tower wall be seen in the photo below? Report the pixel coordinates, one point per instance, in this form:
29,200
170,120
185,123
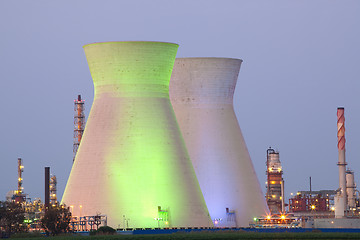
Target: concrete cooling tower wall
132,162
201,92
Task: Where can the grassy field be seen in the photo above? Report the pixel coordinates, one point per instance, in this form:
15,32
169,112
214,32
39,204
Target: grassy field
205,235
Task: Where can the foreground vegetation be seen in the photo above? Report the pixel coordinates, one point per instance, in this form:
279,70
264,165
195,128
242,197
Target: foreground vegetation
205,235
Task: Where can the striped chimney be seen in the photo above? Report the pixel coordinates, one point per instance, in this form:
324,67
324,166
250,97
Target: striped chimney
341,128
342,204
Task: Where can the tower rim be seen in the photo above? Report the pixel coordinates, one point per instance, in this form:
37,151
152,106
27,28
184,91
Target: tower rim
121,42
210,58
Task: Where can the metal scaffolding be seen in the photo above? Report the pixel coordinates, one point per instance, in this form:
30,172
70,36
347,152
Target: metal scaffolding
20,180
79,123
53,197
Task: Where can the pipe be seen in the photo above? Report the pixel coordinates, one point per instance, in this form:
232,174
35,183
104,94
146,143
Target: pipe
282,196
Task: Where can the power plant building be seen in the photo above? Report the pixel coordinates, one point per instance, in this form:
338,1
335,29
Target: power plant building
132,164
201,92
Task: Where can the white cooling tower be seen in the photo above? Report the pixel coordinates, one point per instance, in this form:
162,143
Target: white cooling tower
132,164
201,92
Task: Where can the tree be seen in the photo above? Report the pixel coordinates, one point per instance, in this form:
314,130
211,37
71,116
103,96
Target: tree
12,217
103,230
56,220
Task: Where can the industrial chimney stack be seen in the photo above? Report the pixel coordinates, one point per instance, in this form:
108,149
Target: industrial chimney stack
340,198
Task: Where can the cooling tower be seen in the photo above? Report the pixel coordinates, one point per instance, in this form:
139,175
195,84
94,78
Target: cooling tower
132,164
201,92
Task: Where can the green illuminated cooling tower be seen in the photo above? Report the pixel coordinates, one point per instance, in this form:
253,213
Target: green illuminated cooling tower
132,164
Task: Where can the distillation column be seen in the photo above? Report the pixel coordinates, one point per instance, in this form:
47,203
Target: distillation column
275,183
350,190
201,92
19,195
20,180
53,197
132,163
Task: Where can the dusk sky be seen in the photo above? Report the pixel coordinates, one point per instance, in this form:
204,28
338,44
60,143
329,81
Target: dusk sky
301,62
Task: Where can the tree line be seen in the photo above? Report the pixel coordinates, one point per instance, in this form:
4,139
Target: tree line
55,220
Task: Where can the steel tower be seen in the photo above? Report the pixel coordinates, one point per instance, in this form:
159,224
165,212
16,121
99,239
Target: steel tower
79,123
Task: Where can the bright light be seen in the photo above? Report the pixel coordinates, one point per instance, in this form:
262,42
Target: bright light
166,223
255,219
332,208
282,216
272,182
273,196
216,222
312,207
268,217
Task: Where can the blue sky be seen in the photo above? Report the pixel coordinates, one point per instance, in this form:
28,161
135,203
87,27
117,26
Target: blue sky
300,63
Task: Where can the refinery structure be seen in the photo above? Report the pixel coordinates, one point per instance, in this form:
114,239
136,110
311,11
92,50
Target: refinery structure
338,208
275,183
162,148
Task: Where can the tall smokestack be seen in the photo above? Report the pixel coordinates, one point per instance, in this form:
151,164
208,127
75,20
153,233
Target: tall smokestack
342,162
47,187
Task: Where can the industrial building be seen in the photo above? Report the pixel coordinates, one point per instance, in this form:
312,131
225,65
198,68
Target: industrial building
201,93
313,202
132,164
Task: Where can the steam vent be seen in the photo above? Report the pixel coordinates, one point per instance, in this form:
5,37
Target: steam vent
201,92
132,164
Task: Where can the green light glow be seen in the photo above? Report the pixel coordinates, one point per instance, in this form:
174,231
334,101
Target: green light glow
132,157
